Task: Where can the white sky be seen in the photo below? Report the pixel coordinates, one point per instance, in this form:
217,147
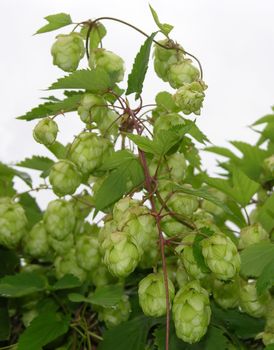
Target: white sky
232,38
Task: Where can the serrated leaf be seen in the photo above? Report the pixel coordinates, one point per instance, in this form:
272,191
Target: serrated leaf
222,151
67,282
116,159
36,163
165,100
5,326
45,328
59,150
130,335
56,21
266,214
269,118
143,143
11,172
137,75
195,132
32,210
255,258
266,279
22,284
164,27
47,109
94,80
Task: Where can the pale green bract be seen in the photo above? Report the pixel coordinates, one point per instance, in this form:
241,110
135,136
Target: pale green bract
45,132
226,293
182,73
91,106
64,178
152,296
252,234
35,241
67,51
67,264
268,165
191,312
61,246
13,222
87,251
113,316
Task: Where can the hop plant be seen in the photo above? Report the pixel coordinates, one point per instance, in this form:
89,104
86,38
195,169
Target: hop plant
121,253
191,312
268,334
67,51
211,207
88,151
182,276
152,295
269,165
87,251
182,73
113,316
35,241
91,107
165,122
250,302
45,132
221,256
100,276
109,61
67,264
59,219
64,178
183,204
226,293
13,222
252,234
61,246
189,97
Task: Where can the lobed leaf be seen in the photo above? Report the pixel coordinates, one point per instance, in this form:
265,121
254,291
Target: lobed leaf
56,21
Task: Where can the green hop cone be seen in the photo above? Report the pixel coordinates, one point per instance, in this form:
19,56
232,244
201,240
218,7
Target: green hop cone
100,276
113,316
152,294
67,51
67,265
181,275
268,334
177,166
45,132
35,242
121,253
189,97
188,259
91,106
62,246
211,207
59,219
13,222
221,256
83,204
172,227
127,209
167,121
182,73
88,151
108,124
109,61
226,293
252,234
184,204
87,251
64,178
268,165
250,302
191,312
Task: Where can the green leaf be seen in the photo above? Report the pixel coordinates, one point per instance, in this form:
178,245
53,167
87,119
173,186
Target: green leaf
269,347
45,328
175,343
137,75
56,21
266,279
195,132
121,180
269,118
165,100
130,335
255,258
222,151
94,80
143,143
11,172
59,150
67,282
32,210
9,261
164,27
243,325
5,326
266,214
116,159
22,284
69,104
98,31
36,163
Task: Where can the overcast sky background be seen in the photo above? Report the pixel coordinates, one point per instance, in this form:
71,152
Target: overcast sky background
232,38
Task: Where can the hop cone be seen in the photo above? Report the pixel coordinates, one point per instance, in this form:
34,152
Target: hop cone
88,151
101,276
113,316
121,254
87,251
181,275
252,234
62,246
13,222
221,256
182,73
191,312
35,241
45,131
177,166
172,227
269,165
108,228
67,264
152,295
250,302
127,209
91,107
211,207
189,97
109,61
167,121
226,293
67,51
64,178
183,204
59,219
268,334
